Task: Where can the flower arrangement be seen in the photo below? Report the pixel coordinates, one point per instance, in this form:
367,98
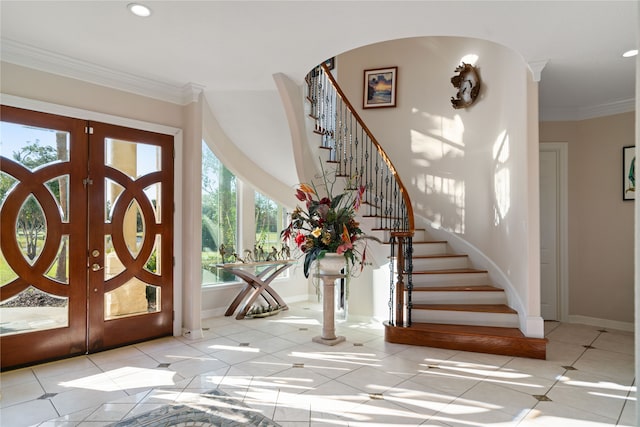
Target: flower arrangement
328,224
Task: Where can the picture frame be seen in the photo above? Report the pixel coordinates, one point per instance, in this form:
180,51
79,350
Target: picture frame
629,172
380,87
330,63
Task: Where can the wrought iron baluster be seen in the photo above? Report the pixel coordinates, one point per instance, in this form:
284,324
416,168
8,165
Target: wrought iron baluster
392,262
357,154
409,274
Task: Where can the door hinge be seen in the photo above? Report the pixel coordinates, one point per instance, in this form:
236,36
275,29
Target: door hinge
89,130
174,261
87,181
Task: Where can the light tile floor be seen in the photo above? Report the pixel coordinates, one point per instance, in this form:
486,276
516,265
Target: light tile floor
272,366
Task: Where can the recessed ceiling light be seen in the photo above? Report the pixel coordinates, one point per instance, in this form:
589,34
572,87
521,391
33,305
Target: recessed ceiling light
139,9
630,53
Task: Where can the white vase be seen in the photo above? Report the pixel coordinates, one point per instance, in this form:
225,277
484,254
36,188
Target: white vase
331,263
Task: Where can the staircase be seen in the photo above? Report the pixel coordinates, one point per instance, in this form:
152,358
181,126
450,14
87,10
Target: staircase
455,306
437,298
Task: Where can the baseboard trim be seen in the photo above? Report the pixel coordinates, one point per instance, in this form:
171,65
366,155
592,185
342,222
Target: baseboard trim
212,312
194,334
594,321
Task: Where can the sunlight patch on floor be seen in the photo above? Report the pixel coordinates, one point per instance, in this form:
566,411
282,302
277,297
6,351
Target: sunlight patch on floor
138,377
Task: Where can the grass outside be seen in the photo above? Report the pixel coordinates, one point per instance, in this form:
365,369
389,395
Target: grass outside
6,273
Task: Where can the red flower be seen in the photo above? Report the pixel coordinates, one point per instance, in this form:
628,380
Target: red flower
300,239
300,195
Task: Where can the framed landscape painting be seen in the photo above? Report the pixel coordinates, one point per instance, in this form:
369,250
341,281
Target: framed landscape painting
380,87
629,173
330,63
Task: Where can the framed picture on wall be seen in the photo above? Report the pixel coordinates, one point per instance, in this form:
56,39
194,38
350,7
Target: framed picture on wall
629,173
330,63
380,87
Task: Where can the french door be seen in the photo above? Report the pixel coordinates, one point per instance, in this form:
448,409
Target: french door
86,223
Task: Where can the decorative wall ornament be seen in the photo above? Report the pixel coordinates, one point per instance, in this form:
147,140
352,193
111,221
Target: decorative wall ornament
468,83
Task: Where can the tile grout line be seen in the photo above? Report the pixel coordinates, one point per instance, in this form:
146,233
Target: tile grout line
480,381
624,404
45,391
566,369
376,348
588,346
137,404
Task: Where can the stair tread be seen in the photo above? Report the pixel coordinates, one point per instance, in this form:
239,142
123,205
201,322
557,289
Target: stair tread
477,308
479,288
451,271
380,216
389,229
425,242
470,329
435,256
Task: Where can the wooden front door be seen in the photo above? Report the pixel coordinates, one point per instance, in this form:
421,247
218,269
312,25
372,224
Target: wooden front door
86,236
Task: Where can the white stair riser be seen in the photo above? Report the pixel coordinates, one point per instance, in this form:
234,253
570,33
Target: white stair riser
450,279
435,248
420,236
505,320
424,249
459,297
444,263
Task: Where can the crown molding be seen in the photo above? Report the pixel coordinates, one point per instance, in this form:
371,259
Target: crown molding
47,61
536,68
40,59
191,93
584,113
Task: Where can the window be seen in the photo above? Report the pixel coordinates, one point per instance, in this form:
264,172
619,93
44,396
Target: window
269,220
222,199
219,217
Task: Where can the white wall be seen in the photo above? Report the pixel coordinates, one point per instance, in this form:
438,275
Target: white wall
600,224
466,170
243,167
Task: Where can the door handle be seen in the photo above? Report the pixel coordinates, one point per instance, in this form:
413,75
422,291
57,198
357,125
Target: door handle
96,267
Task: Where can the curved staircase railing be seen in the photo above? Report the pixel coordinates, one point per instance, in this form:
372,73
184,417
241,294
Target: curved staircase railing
355,152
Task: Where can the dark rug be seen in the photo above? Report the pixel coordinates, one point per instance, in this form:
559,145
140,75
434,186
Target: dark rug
221,411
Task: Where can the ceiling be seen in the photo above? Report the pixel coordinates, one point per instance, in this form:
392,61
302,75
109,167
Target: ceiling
231,49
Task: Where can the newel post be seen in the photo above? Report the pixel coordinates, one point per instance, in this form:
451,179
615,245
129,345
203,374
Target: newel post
400,283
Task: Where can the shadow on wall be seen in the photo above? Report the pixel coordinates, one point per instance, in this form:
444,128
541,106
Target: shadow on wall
439,150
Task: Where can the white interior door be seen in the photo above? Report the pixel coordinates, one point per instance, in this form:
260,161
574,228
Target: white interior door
554,214
549,221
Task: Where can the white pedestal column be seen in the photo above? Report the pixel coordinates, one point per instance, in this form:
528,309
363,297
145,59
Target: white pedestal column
328,336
